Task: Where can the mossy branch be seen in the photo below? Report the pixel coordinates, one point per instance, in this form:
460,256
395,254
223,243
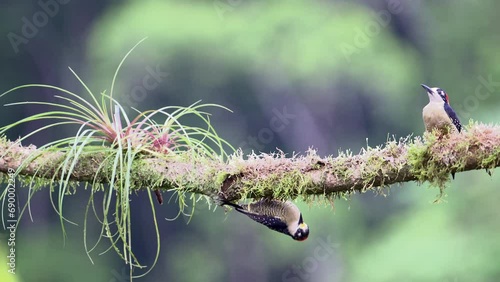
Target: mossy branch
419,159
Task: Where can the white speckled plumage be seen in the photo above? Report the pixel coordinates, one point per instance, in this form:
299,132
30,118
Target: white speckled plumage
281,216
287,211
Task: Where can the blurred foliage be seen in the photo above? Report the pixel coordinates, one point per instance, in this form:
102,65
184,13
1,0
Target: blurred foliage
266,46
257,58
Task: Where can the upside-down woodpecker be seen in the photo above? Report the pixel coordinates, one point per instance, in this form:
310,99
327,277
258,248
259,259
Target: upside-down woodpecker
280,216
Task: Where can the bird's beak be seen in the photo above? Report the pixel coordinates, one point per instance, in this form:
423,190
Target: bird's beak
429,90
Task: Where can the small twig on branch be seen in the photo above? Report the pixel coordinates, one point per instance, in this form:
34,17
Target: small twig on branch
277,176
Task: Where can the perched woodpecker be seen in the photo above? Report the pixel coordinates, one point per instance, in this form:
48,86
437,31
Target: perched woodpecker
438,114
280,216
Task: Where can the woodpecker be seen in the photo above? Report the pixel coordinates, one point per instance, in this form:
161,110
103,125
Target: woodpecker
279,216
438,114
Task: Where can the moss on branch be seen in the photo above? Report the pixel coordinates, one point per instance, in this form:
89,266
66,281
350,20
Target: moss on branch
427,159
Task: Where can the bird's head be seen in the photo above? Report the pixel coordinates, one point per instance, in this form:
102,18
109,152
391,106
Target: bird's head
302,231
436,94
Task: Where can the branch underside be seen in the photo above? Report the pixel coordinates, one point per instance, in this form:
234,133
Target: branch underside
431,159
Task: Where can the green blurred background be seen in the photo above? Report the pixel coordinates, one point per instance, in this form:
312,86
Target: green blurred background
341,72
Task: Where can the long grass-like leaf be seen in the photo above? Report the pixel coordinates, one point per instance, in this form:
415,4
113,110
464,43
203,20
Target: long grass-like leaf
104,127
118,70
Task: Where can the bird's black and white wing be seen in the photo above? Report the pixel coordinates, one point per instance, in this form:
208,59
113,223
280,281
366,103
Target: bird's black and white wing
274,223
271,213
453,116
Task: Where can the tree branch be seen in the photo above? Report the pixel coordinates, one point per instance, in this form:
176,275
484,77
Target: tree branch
429,159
